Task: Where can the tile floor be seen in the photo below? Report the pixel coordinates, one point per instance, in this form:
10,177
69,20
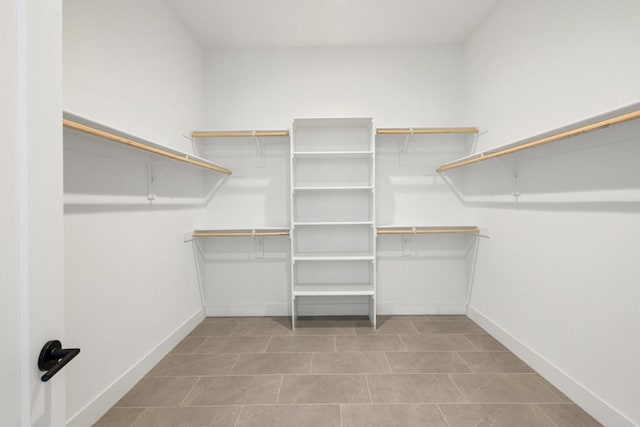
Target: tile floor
413,371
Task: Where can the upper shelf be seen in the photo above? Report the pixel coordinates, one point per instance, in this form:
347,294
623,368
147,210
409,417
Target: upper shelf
424,131
82,124
238,134
577,129
409,229
241,232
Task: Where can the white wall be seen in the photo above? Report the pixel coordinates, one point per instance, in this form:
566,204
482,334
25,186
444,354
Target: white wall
266,88
557,280
131,283
258,88
135,67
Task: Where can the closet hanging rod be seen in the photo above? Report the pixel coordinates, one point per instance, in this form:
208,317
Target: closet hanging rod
424,131
433,231
239,134
186,158
545,140
240,234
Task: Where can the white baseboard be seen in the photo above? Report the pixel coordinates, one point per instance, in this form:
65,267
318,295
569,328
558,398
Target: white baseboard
248,310
97,407
407,308
331,308
583,397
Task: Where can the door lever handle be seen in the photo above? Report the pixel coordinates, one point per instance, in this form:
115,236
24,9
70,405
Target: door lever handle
53,358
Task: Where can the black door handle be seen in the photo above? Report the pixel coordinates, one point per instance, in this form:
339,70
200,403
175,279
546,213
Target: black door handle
53,358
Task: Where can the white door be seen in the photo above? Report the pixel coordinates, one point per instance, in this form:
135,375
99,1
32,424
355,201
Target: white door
31,222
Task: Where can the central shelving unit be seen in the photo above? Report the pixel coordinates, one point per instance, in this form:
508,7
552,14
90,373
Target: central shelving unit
333,211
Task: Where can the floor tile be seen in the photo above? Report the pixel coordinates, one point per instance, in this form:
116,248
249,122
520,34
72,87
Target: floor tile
220,416
494,415
290,416
234,390
332,330
331,323
413,415
413,388
188,345
234,320
119,417
551,387
568,415
324,389
213,330
158,391
301,344
348,362
457,326
437,342
265,329
273,363
370,343
485,342
504,388
494,361
194,365
234,345
392,326
426,362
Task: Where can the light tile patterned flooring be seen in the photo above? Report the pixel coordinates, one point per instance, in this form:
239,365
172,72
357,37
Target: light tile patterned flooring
413,371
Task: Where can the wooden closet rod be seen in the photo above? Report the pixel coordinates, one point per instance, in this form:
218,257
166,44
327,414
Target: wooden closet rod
436,231
424,131
106,135
238,134
240,234
562,135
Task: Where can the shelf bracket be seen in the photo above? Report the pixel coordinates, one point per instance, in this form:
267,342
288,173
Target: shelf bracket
259,149
513,175
406,240
194,145
259,244
405,147
151,183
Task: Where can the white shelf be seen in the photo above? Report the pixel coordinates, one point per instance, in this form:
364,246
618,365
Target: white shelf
335,256
329,223
332,154
249,231
333,289
82,124
426,227
574,132
335,188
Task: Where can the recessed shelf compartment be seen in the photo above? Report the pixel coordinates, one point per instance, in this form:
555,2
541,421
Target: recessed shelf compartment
330,223
335,188
336,172
333,289
335,256
326,206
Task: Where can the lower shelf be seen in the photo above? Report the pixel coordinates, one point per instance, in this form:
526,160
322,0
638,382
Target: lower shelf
333,289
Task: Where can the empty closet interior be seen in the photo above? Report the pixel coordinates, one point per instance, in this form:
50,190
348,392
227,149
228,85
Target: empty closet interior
493,175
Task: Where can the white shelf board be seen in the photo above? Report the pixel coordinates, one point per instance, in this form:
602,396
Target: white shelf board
335,188
206,229
329,223
426,227
96,125
334,256
579,124
333,289
331,154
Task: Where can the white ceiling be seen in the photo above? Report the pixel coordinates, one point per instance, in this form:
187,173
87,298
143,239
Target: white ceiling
330,22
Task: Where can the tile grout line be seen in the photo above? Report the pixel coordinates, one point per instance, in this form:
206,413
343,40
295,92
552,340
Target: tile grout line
458,388
184,399
388,363
238,416
267,347
138,417
534,407
234,364
457,354
443,416
366,380
279,389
